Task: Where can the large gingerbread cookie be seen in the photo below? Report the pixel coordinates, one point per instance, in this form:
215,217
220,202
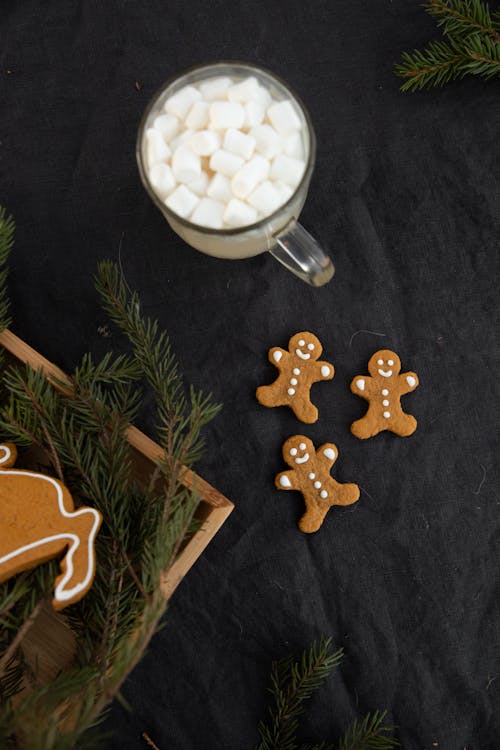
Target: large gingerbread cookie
310,474
38,522
298,369
383,391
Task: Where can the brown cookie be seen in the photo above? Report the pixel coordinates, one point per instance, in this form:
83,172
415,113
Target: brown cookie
298,370
310,474
383,391
38,522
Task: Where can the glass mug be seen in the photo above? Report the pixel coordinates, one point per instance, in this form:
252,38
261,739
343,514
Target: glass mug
279,233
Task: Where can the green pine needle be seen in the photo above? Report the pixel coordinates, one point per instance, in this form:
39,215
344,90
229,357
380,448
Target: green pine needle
292,683
472,46
7,227
369,734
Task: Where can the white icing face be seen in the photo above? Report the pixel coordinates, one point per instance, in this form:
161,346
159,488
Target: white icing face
299,451
384,363
305,347
385,373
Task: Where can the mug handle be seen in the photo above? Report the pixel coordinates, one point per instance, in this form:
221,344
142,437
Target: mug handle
298,251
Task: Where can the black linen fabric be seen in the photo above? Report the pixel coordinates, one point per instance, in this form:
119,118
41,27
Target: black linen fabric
405,195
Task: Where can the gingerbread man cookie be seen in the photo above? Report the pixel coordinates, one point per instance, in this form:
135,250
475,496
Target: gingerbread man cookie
38,522
298,370
310,474
383,391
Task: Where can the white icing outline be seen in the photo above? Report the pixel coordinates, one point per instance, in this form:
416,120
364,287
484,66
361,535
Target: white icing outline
301,355
385,374
302,460
59,593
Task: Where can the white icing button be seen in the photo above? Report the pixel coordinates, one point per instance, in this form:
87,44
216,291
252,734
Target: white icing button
285,482
385,402
291,391
361,384
293,381
301,342
317,485
390,362
293,451
323,494
277,356
385,392
296,371
325,371
312,475
302,446
380,361
329,453
410,380
310,347
387,414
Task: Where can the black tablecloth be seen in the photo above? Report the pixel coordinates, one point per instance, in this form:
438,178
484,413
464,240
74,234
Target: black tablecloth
405,194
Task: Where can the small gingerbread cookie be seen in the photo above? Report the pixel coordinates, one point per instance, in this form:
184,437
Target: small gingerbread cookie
38,522
310,474
298,370
383,391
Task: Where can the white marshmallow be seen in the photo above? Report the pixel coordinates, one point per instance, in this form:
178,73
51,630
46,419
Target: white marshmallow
225,162
219,188
254,114
181,139
249,176
287,169
284,190
239,214
162,179
215,88
180,103
199,186
283,117
265,198
239,143
182,201
245,91
204,142
186,165
267,141
198,116
263,97
156,150
226,115
209,213
293,146
168,125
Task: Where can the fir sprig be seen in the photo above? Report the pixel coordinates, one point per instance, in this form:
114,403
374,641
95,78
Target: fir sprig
292,683
472,46
80,426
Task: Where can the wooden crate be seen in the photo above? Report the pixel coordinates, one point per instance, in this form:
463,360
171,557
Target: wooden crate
49,643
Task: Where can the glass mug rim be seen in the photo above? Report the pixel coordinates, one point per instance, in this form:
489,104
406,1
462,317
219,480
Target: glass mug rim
220,64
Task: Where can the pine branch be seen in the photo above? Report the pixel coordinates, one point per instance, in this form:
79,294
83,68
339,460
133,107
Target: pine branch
7,227
369,734
459,18
439,63
292,683
472,46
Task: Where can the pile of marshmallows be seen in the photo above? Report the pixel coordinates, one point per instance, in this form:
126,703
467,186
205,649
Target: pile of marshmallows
225,154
